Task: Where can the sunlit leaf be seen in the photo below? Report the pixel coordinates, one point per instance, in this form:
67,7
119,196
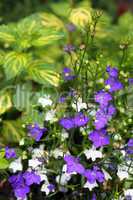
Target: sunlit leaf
80,17
3,163
14,64
6,34
5,102
48,37
12,131
41,73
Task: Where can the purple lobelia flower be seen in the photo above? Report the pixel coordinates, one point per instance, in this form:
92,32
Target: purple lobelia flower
36,132
67,122
80,120
19,186
103,98
73,165
94,196
51,187
113,72
129,148
94,174
130,80
69,48
90,175
71,27
99,138
67,74
31,178
114,84
99,174
10,153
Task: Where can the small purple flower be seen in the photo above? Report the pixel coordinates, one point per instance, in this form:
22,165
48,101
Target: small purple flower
130,80
69,48
113,72
103,98
99,174
67,74
62,99
71,27
51,187
114,84
94,196
10,153
21,192
19,186
36,132
31,178
73,165
67,122
99,138
80,120
129,148
90,175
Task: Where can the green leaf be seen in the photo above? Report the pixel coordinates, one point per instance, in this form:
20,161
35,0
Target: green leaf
3,163
6,34
14,64
49,36
5,102
12,131
41,73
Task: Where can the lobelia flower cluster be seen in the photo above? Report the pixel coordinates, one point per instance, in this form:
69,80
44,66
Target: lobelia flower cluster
87,162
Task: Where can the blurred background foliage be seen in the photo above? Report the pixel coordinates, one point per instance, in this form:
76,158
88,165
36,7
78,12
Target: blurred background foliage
32,37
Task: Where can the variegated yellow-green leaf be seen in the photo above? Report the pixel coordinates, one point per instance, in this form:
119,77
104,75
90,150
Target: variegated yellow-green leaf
50,20
41,73
5,102
14,64
12,131
80,17
49,36
3,163
2,54
6,34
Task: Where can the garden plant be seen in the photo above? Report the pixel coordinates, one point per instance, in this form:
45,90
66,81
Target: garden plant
66,105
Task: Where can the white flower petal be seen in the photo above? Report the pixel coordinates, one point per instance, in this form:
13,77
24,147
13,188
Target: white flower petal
90,186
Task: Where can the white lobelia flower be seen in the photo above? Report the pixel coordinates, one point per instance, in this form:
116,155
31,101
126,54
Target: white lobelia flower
57,153
45,188
34,163
38,152
93,154
90,186
45,101
64,134
63,179
21,143
122,174
129,192
106,175
80,105
50,116
16,165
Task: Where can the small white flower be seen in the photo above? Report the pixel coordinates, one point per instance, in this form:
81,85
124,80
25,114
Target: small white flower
80,105
45,101
93,154
64,134
57,153
90,186
34,163
122,174
63,179
107,175
21,143
38,152
16,165
45,189
50,116
129,192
